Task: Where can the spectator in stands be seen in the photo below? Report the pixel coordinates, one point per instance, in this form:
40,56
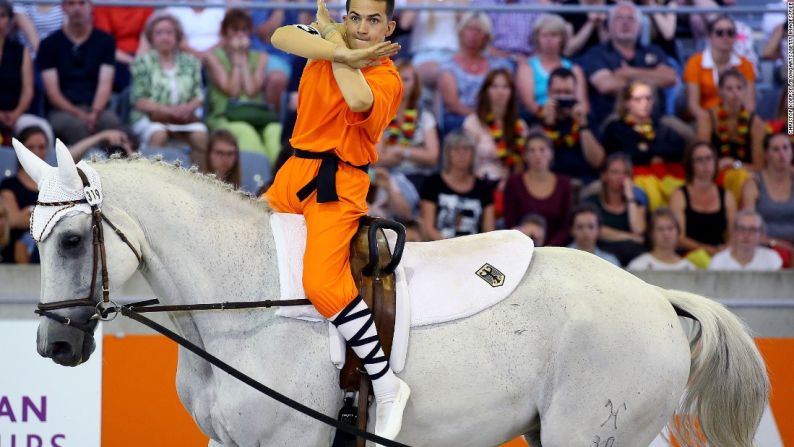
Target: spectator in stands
589,29
745,252
733,128
622,207
236,75
454,202
495,126
704,210
585,225
386,197
77,68
37,21
19,193
434,39
410,144
662,26
278,68
704,70
635,131
577,151
611,66
167,92
110,141
774,29
16,78
771,192
538,190
126,25
664,234
200,26
549,37
534,226
223,157
464,73
6,247
700,25
512,33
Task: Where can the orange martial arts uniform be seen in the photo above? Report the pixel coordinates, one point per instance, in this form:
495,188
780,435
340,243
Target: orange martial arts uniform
326,124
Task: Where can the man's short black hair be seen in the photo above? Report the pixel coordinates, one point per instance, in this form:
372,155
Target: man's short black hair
586,208
562,73
389,7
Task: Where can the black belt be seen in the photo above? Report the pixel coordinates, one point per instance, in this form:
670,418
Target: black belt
325,181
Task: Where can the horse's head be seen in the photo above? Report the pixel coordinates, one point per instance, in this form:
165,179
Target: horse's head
66,224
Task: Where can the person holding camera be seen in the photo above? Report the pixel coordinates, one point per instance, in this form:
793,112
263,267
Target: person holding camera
549,37
577,151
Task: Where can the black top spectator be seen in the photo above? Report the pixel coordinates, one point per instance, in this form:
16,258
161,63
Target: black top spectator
77,68
610,66
589,29
78,64
637,133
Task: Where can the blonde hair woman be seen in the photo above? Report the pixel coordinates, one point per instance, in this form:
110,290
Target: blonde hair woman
549,37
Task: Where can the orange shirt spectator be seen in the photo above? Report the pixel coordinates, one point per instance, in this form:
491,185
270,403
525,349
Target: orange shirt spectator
125,24
700,70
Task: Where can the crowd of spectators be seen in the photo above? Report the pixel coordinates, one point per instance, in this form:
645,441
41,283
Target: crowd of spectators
594,130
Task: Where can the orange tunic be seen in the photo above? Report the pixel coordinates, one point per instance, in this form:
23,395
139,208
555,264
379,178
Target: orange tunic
325,123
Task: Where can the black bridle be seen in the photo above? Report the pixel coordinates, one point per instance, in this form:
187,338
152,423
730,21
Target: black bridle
104,308
107,310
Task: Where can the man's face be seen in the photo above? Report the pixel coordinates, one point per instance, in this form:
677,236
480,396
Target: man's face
78,11
366,23
624,27
585,230
562,88
747,232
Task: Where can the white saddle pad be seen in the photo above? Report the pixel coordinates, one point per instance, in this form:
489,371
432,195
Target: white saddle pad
437,281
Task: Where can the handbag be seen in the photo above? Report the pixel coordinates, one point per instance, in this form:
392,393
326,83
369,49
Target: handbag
254,113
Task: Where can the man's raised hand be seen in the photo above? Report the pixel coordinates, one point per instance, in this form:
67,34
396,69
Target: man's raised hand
360,58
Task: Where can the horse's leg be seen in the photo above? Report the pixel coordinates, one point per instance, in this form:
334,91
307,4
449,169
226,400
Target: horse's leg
601,399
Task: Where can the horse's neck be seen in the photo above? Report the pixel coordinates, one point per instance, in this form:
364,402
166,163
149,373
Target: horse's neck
201,243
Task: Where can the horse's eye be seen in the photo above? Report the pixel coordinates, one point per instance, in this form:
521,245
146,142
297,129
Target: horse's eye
71,241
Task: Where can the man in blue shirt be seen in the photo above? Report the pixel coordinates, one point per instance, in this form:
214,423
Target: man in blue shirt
611,66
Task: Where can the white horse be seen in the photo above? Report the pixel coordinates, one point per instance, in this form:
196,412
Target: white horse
581,353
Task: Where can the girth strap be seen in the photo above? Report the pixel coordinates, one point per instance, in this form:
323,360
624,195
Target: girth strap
325,181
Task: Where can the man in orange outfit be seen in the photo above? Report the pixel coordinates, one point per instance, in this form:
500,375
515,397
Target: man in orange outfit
348,94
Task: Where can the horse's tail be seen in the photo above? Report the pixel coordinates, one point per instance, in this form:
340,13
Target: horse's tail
728,383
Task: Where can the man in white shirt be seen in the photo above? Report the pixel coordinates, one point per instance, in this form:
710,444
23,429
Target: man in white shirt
745,252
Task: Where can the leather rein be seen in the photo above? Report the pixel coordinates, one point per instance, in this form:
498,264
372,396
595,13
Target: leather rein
107,310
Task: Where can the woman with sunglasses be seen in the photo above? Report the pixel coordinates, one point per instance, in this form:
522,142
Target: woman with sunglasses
703,70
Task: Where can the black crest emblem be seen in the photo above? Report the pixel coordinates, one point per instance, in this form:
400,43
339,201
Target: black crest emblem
491,275
308,29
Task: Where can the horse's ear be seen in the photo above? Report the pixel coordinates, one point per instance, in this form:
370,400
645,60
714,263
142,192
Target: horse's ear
33,165
67,171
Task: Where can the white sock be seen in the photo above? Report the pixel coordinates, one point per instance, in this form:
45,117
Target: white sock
350,322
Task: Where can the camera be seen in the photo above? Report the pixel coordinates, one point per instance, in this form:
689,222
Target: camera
566,103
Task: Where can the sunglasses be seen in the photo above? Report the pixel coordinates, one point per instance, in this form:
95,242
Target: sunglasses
725,32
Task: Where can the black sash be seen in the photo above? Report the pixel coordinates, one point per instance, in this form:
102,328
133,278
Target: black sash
325,181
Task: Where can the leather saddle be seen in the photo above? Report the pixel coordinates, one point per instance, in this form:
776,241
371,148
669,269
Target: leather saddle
373,267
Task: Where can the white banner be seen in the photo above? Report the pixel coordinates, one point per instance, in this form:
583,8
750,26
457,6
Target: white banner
43,404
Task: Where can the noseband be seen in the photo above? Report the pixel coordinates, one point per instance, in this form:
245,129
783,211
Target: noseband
105,309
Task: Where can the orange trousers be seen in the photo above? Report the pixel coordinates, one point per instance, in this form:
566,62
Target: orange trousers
327,279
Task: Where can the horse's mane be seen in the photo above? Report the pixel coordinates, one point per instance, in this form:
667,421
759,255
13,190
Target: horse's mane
190,174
